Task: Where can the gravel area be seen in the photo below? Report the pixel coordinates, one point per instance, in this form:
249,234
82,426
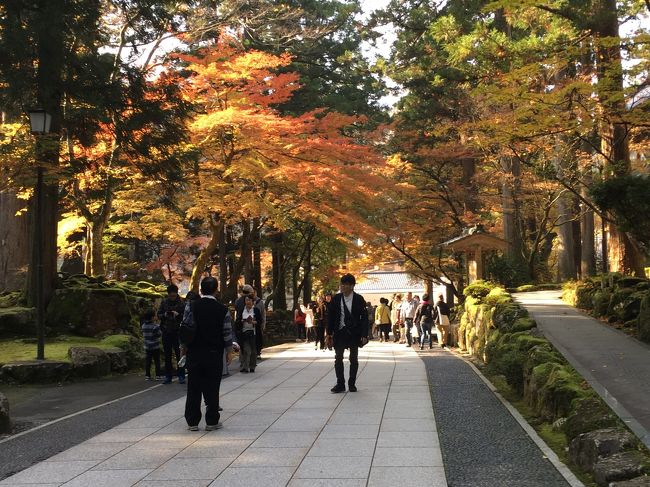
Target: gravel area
482,444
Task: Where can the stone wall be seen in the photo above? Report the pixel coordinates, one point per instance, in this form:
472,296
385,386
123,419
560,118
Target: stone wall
499,332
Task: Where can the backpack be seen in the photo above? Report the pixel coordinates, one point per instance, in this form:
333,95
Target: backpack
187,330
427,313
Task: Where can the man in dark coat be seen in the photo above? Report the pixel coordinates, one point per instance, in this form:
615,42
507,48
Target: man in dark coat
212,337
170,314
347,327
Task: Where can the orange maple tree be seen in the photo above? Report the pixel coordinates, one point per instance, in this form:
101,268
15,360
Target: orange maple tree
258,162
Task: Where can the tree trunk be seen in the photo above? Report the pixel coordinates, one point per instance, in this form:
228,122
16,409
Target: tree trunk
49,27
511,231
566,257
216,229
223,264
307,286
257,256
623,255
279,282
96,246
247,248
14,232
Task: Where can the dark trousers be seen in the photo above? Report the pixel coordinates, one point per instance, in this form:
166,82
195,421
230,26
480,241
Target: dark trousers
259,339
247,355
320,336
384,331
148,357
171,343
338,364
204,369
300,330
425,335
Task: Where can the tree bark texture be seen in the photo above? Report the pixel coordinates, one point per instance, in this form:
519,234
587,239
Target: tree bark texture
49,25
623,255
216,231
279,281
14,235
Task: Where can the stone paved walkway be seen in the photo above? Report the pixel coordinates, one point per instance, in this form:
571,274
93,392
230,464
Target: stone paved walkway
282,426
616,365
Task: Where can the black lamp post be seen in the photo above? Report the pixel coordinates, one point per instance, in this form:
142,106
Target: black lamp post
40,122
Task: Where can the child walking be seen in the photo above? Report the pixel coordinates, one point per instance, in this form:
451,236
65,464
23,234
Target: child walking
151,334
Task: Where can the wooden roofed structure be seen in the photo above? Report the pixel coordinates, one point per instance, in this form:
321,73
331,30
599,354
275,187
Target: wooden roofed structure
476,244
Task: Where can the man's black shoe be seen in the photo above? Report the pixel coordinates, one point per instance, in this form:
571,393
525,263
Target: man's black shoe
352,388
338,388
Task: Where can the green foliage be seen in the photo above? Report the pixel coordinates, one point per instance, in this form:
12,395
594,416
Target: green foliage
478,289
600,302
507,270
626,197
496,296
523,324
11,299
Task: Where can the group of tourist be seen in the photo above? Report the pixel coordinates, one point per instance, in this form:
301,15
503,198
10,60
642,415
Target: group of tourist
409,320
199,331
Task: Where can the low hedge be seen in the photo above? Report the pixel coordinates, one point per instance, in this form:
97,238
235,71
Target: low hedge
620,299
500,333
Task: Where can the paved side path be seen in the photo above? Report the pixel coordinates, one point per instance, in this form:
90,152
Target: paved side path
482,443
616,365
282,426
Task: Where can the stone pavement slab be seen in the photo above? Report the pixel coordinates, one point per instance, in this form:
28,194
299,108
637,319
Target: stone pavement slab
616,365
282,426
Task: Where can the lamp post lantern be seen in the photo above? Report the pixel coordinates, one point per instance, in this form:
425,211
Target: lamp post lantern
40,122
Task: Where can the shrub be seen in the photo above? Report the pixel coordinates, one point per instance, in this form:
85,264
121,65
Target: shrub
507,270
505,314
478,289
496,296
523,324
600,301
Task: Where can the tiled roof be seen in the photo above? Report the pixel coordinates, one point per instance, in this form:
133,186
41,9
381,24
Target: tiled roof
388,282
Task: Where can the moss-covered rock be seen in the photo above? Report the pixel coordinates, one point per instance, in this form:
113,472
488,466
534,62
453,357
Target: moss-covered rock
505,315
18,321
11,299
523,324
478,289
588,448
131,345
535,380
643,320
89,311
589,414
630,281
620,466
600,302
564,385
618,301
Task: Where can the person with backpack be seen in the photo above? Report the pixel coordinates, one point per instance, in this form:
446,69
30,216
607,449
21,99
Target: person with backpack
441,317
170,314
211,336
424,321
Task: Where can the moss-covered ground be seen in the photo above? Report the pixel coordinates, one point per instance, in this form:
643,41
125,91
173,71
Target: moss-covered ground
56,348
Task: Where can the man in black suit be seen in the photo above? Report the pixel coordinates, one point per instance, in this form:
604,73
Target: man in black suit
347,327
205,353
